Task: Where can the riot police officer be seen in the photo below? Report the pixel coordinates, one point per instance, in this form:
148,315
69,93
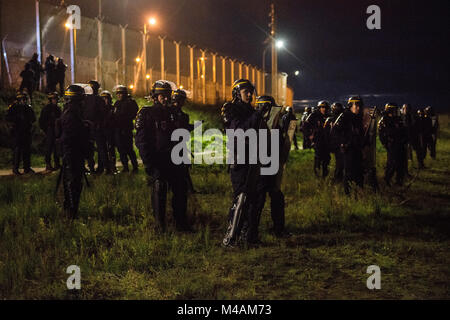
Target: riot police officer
243,215
49,114
394,137
109,131
336,110
287,118
429,113
22,117
73,139
154,127
305,115
314,128
350,129
125,111
182,121
271,184
94,111
178,100
423,130
409,122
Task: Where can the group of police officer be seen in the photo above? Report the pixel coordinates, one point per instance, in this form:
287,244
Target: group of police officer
350,134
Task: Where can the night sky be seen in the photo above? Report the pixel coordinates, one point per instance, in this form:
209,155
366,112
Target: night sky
328,41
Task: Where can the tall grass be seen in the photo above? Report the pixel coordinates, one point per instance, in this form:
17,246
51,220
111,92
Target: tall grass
334,239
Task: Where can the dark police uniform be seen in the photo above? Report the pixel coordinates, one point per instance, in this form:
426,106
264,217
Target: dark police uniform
73,140
49,114
394,137
94,111
22,116
351,141
125,112
154,127
320,142
245,178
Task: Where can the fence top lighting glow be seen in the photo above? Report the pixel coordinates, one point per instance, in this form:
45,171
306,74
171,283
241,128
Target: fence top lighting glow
181,87
131,86
297,72
138,59
279,44
147,76
152,21
67,25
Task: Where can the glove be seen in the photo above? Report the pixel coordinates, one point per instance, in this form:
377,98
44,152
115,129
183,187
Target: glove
228,112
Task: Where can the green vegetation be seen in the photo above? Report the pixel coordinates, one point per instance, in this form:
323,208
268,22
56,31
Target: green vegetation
334,238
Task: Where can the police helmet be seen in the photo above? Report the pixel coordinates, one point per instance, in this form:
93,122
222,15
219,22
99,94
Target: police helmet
391,108
263,102
238,85
337,108
21,96
355,99
106,94
74,93
121,89
179,95
161,87
95,85
429,111
308,109
323,104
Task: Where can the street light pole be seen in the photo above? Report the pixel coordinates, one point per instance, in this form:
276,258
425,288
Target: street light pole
100,43
274,54
72,53
264,70
144,56
38,37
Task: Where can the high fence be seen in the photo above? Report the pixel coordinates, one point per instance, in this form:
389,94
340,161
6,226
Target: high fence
204,74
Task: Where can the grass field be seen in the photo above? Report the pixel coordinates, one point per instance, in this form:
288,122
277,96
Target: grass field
405,231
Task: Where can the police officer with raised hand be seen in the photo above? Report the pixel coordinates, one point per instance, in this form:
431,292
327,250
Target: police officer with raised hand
243,215
125,111
394,137
22,117
351,133
47,120
73,140
154,127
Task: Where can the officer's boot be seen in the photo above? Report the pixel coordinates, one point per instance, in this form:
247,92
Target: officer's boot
16,161
324,170
134,161
57,163
316,167
91,165
27,160
124,160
